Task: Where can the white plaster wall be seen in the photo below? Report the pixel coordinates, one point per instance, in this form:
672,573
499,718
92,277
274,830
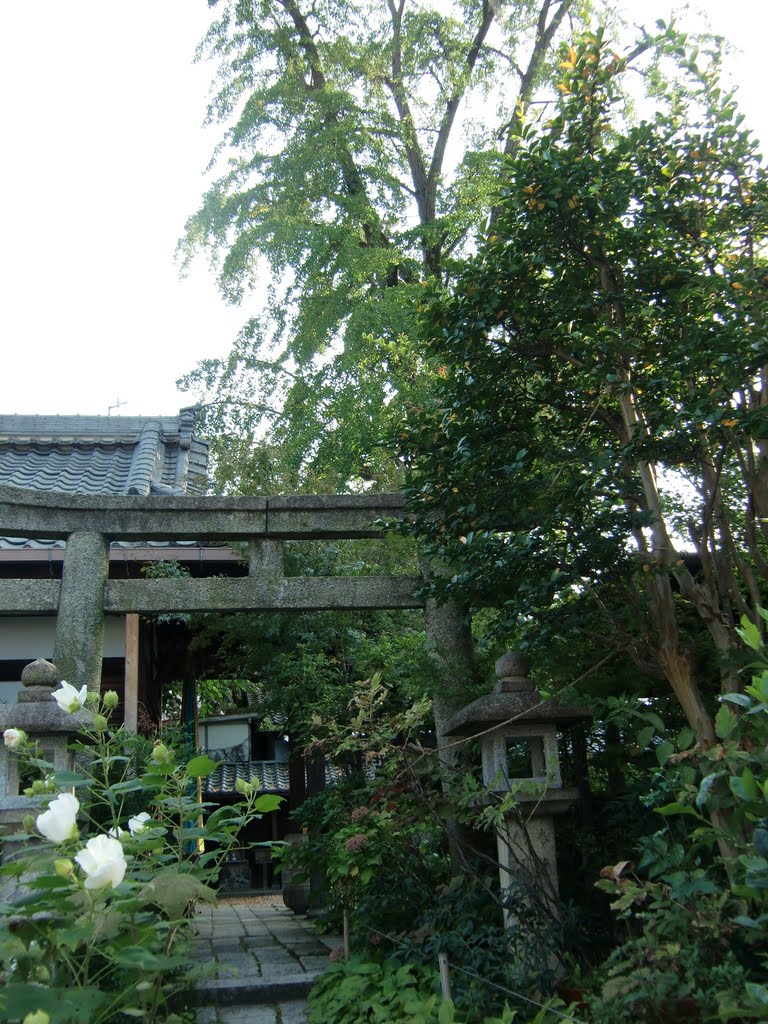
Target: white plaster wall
32,636
227,734
27,637
8,692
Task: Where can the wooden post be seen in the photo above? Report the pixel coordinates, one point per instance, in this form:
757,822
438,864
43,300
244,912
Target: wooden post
131,692
445,980
346,934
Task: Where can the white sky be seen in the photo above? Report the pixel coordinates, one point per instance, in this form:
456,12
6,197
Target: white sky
103,153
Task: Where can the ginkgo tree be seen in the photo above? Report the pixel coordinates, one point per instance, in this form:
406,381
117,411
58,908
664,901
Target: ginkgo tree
596,446
361,154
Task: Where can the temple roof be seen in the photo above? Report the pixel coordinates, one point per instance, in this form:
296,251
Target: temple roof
271,776
103,454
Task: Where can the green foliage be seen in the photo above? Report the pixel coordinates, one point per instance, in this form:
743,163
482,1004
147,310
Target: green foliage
310,663
385,991
389,991
697,923
382,846
380,854
340,184
604,350
464,922
96,917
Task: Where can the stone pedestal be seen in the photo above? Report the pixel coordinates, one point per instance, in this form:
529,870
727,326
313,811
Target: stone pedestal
527,854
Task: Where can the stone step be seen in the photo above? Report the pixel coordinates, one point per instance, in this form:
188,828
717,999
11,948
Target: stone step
289,1012
229,991
257,962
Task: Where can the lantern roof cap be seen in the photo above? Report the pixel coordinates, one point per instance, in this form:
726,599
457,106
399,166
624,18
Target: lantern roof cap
512,708
515,699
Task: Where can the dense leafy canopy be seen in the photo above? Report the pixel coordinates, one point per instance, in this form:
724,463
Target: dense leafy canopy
362,151
601,396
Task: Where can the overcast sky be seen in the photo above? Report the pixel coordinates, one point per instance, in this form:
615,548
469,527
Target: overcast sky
103,153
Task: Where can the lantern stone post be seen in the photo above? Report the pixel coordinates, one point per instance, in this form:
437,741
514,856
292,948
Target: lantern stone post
517,731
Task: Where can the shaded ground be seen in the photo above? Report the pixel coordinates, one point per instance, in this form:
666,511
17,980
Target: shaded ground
257,960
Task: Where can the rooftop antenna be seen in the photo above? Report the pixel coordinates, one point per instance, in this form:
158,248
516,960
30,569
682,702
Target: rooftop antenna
117,405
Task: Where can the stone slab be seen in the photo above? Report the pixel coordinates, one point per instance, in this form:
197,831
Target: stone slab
248,1015
294,1012
29,513
252,593
228,992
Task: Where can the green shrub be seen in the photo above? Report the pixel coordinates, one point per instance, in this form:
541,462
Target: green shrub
99,888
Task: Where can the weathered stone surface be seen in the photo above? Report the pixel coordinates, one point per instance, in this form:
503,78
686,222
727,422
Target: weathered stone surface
521,707
25,513
512,674
278,986
259,594
331,515
39,678
79,645
43,720
29,597
265,558
37,718
40,673
294,1012
512,665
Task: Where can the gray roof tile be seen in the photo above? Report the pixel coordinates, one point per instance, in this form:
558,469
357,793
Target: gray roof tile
103,454
268,775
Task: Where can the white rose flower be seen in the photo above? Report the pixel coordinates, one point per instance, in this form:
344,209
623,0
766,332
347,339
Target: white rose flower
138,823
68,698
103,862
59,821
116,832
13,738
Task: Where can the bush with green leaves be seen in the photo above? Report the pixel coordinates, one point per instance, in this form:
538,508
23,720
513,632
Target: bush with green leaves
387,991
97,896
464,922
696,911
379,855
375,990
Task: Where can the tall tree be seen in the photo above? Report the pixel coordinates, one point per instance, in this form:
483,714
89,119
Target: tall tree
598,435
362,149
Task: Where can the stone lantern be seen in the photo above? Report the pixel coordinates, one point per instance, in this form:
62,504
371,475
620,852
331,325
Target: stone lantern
41,718
517,732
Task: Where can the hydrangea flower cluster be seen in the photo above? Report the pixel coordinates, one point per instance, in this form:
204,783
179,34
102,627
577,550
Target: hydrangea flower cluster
356,842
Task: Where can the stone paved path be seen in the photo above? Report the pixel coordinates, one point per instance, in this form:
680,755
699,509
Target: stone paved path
259,960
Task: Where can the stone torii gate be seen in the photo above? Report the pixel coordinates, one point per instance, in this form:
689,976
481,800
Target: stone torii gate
85,594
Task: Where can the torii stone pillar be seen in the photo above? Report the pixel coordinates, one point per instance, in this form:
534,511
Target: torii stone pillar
451,649
80,623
